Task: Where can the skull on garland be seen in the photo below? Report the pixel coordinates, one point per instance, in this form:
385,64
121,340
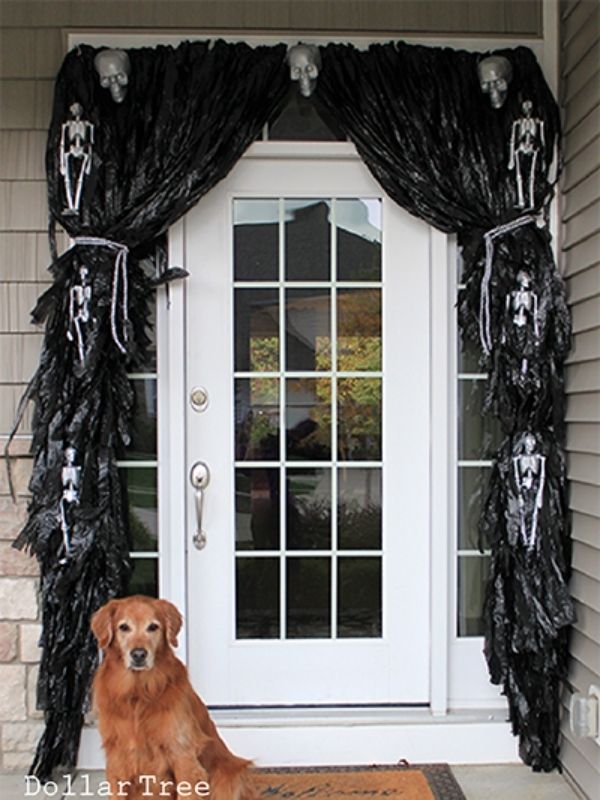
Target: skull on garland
495,74
305,62
113,67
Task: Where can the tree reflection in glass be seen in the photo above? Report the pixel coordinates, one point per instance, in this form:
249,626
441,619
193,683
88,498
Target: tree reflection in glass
308,419
257,419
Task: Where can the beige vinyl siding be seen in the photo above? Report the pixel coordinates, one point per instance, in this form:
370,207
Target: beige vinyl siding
580,95
501,17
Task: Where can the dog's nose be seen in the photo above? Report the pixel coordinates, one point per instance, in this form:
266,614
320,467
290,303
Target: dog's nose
138,655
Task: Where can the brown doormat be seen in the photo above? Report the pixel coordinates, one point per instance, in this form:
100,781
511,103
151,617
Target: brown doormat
409,782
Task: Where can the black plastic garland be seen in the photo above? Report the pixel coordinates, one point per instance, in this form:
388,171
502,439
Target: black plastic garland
189,114
431,138
424,129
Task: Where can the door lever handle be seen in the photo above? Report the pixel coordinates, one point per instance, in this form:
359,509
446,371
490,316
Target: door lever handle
199,478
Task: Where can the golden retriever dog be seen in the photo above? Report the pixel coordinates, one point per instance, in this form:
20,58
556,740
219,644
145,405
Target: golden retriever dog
158,737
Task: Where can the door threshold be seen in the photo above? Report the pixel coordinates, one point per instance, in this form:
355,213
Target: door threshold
298,716
294,737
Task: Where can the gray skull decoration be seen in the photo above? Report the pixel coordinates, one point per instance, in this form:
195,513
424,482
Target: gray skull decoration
495,74
305,62
113,67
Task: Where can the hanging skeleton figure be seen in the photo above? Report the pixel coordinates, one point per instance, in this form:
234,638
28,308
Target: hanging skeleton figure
80,298
76,140
527,145
70,477
522,308
529,472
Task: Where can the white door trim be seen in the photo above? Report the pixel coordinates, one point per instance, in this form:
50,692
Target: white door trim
442,427
172,457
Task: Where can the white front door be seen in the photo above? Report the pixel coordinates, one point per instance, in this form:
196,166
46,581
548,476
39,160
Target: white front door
308,326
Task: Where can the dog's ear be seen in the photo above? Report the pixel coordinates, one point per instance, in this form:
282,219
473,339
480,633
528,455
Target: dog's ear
173,620
102,624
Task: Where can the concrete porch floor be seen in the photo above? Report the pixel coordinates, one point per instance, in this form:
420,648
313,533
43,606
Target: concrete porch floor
485,782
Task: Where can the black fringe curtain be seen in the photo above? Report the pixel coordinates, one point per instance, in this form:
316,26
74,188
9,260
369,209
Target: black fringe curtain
430,137
189,114
426,132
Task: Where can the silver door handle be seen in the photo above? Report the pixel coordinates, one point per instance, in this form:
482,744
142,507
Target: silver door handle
199,478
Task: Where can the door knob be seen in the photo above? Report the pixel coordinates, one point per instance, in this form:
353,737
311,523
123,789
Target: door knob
199,478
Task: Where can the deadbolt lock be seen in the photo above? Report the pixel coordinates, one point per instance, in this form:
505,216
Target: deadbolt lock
199,398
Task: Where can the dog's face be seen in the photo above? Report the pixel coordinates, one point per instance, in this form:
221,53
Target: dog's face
137,628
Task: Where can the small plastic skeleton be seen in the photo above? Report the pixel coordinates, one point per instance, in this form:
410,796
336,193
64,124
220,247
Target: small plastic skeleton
523,304
76,140
530,476
71,478
526,143
80,298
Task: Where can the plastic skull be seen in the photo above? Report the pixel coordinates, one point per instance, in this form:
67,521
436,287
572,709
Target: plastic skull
529,443
113,67
495,73
305,62
524,279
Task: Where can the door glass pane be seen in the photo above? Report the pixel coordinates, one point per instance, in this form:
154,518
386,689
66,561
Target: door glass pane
359,597
359,419
256,240
472,482
308,598
358,239
289,526
256,330
256,419
150,361
142,498
257,598
307,240
468,355
359,330
144,577
257,509
308,330
359,509
143,433
478,435
308,419
472,578
308,520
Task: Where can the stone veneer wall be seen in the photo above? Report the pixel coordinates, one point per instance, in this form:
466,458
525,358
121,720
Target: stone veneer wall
20,722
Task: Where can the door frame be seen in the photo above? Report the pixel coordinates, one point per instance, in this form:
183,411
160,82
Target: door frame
479,741
172,407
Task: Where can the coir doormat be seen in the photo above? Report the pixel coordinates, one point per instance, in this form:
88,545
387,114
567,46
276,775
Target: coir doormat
404,781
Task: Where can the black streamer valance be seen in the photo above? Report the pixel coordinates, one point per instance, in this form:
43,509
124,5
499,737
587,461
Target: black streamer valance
429,136
190,113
